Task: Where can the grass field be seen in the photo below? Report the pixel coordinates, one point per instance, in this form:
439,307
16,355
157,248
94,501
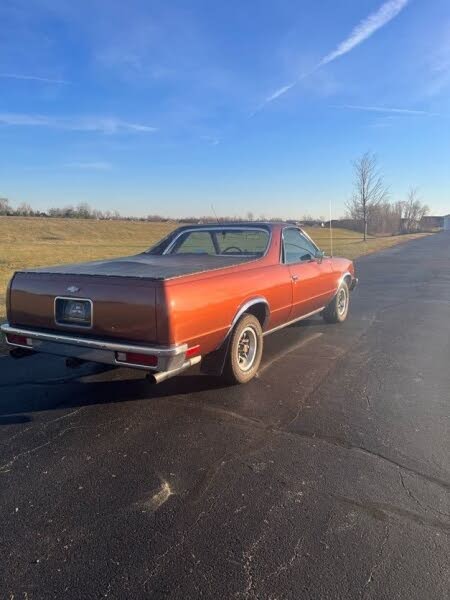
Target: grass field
27,242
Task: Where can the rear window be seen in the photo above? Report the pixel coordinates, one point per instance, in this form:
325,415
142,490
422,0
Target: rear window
198,242
220,242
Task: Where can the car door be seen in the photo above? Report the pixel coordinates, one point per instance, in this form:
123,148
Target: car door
310,273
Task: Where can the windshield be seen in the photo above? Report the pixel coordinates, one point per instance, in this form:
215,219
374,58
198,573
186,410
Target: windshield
228,241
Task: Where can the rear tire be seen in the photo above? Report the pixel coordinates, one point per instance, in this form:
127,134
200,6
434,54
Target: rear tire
245,351
337,310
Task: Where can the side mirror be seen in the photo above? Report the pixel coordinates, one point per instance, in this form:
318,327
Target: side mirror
320,256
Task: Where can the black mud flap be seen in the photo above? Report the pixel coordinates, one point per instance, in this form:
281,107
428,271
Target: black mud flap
214,362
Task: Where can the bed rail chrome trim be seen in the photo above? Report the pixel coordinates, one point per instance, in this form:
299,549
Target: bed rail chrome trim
164,351
283,325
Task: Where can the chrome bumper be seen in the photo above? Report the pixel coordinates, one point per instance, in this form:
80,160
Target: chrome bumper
101,351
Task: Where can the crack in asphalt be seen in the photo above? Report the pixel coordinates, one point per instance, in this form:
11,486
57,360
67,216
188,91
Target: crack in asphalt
340,443
5,468
378,562
248,556
41,426
381,511
408,491
334,441
287,564
414,497
158,559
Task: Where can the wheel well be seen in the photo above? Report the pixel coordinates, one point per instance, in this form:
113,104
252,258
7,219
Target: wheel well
213,363
348,279
260,311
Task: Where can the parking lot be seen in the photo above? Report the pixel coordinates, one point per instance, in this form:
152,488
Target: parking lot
328,476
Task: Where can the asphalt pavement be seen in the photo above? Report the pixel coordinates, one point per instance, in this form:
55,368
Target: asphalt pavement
327,477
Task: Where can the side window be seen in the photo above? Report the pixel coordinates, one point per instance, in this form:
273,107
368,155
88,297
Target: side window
297,248
195,242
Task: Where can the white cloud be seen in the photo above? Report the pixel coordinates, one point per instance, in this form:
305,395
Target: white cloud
365,29
90,166
32,78
390,110
282,90
108,125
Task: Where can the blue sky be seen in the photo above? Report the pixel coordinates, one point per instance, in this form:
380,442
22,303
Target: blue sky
169,107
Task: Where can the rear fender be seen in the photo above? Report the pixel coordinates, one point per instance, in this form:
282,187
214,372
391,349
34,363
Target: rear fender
214,362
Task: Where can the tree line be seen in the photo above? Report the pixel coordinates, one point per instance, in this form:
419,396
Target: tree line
370,207
79,211
84,211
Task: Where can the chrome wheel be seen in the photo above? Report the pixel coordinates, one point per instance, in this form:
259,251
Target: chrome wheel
342,301
247,348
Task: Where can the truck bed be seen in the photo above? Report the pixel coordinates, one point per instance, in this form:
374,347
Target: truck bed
147,266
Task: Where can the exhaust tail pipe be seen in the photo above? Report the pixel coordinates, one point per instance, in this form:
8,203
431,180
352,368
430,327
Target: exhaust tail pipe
163,375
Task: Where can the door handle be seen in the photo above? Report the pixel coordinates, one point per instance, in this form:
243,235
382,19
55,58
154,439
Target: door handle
294,278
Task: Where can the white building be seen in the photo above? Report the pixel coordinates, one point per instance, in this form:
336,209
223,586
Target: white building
447,223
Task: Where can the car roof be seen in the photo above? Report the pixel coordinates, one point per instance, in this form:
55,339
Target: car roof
249,224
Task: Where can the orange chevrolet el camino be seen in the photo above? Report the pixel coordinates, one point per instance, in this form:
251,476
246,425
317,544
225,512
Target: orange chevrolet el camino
205,293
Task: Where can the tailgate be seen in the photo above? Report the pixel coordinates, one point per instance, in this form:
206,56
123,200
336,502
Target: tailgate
120,307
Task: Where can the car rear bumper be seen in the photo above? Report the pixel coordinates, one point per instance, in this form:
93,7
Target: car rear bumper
167,358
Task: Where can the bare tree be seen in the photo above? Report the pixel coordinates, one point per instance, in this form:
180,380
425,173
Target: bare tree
369,190
5,207
83,211
413,211
386,218
24,209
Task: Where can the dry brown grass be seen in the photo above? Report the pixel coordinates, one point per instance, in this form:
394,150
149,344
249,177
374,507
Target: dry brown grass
28,242
351,244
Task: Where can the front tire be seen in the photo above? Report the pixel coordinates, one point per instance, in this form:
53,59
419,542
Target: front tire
245,351
337,310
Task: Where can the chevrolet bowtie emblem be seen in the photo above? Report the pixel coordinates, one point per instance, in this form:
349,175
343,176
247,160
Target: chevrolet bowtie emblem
72,289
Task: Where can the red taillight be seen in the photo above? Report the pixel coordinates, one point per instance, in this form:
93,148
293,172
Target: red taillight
193,351
134,358
20,340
